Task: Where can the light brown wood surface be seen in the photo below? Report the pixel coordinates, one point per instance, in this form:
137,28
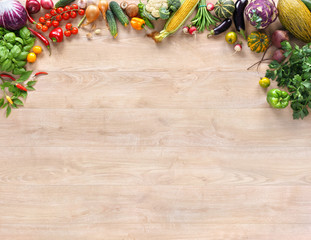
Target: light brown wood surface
126,139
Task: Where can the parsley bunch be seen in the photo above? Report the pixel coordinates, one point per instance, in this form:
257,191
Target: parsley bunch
295,74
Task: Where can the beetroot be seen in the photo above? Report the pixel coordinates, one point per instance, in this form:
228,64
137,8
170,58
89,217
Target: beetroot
278,55
279,36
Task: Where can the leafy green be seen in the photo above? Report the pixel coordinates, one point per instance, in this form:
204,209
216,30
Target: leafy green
295,74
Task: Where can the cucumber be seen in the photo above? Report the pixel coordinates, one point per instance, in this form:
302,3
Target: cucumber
112,24
63,3
117,11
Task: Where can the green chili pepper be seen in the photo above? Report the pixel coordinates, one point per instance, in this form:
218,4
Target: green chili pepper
278,98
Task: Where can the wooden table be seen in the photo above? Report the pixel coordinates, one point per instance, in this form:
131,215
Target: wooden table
126,139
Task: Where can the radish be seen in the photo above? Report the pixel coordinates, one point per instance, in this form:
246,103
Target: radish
237,47
185,29
210,7
192,30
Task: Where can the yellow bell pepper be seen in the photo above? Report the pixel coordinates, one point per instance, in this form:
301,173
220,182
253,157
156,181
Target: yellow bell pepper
138,23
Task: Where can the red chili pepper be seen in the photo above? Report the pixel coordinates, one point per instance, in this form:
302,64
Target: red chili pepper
41,73
42,38
30,19
56,35
21,87
8,76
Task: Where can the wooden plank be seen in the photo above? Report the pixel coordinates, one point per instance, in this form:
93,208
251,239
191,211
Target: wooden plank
153,166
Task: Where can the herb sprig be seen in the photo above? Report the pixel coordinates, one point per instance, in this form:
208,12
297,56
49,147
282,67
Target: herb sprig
295,74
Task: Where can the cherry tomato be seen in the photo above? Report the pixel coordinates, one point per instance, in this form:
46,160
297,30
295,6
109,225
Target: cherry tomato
74,6
74,31
59,18
41,20
39,26
264,82
48,23
81,12
55,23
67,8
45,28
67,33
31,57
59,10
47,16
37,49
53,12
65,16
68,26
73,14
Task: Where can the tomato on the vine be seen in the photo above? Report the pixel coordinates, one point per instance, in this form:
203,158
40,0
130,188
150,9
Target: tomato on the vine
48,23
67,33
65,16
74,6
81,12
67,8
68,26
47,16
73,14
55,23
39,26
59,18
41,20
59,10
53,12
44,28
74,31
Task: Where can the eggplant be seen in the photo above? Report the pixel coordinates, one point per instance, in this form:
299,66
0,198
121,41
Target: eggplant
224,26
238,16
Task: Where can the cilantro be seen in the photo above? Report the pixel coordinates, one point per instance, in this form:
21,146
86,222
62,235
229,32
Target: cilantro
295,74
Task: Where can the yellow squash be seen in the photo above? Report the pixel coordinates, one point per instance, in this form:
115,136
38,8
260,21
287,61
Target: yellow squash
296,18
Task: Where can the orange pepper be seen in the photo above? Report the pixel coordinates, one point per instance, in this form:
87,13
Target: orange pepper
137,23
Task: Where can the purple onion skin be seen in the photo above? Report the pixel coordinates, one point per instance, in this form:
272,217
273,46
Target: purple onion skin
33,6
13,15
47,4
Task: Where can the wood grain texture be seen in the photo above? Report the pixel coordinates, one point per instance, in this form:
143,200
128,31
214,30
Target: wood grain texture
125,139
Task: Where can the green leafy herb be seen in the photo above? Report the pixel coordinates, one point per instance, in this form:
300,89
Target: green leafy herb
295,74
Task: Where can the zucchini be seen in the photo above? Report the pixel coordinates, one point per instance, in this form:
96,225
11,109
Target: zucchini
112,24
117,11
63,3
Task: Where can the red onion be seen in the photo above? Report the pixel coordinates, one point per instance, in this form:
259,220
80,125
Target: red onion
13,15
33,6
47,4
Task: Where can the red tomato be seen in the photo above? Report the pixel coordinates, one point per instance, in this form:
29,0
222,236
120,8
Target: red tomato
41,20
67,8
74,6
68,26
59,10
74,31
81,12
59,18
67,33
45,28
39,26
55,23
47,16
73,14
48,23
65,16
53,12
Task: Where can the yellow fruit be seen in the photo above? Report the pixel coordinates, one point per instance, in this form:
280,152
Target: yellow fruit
37,49
31,57
264,82
231,37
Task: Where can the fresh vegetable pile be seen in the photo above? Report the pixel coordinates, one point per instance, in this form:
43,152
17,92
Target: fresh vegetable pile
290,65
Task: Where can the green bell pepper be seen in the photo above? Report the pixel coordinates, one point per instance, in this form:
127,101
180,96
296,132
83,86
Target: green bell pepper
278,98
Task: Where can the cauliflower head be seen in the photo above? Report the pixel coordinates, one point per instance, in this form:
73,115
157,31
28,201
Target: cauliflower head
155,6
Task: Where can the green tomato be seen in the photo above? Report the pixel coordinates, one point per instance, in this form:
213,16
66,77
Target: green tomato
231,37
